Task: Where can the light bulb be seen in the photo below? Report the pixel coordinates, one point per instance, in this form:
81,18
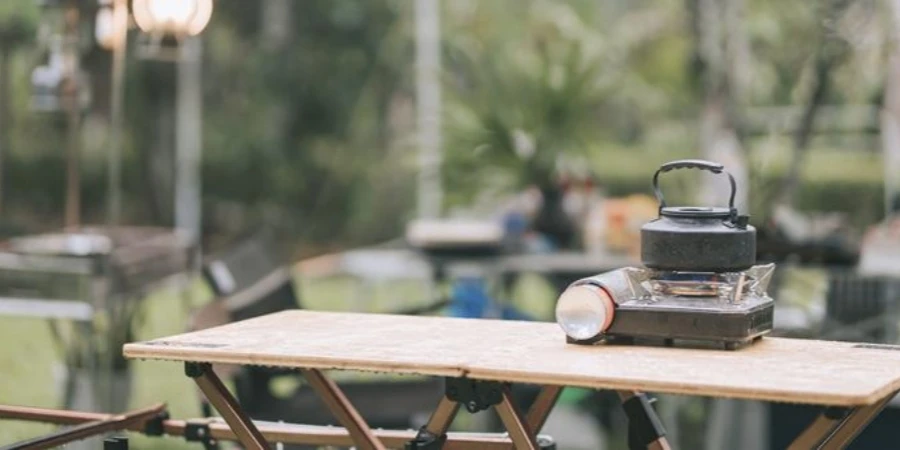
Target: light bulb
177,17
172,12
201,17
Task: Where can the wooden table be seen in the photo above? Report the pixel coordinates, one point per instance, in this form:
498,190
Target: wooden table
481,357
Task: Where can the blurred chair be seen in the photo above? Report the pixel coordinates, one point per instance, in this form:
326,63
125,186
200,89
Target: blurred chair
861,308
248,280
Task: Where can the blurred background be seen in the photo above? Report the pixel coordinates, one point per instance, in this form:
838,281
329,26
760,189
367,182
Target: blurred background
466,158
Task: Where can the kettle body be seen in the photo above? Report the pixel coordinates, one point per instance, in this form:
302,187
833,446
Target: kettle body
697,238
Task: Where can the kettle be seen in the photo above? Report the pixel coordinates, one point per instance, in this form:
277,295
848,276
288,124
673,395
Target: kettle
697,238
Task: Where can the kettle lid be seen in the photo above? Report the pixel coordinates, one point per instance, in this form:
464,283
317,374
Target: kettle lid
697,212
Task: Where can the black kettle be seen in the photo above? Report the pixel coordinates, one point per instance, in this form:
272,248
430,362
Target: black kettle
697,238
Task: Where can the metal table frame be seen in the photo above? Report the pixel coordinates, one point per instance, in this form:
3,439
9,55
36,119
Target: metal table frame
433,435
835,428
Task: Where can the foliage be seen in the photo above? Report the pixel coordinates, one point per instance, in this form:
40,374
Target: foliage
522,106
522,111
18,22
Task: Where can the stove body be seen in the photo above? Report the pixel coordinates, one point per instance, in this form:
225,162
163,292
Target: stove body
720,310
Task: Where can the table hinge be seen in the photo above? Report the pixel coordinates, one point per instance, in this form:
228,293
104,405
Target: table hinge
154,426
199,431
195,369
836,413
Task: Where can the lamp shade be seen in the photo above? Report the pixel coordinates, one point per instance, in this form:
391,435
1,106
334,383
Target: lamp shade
173,17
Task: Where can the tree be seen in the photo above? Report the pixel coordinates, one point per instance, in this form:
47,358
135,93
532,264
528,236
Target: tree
305,123
18,27
829,52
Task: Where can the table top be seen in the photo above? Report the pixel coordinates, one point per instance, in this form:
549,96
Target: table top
775,369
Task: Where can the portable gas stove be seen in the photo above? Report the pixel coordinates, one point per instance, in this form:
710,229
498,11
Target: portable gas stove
699,284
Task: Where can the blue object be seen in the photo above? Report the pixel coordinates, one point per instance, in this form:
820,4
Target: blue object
469,298
515,224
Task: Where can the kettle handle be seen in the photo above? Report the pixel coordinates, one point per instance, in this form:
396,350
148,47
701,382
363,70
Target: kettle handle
692,164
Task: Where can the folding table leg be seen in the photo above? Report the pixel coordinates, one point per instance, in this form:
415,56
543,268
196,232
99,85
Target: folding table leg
540,409
80,431
645,430
343,410
836,428
247,433
519,432
434,433
442,417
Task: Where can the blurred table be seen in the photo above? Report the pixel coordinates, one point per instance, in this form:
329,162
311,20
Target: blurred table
368,263
92,277
563,268
575,264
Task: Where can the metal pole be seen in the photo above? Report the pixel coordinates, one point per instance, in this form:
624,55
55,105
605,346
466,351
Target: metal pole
523,438
428,103
5,116
189,140
116,111
225,403
342,410
890,118
71,90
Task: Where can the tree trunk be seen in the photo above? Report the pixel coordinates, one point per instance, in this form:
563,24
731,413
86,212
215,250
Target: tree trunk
5,116
428,107
116,114
275,36
156,141
276,24
890,122
189,140
71,93
828,53
162,160
791,180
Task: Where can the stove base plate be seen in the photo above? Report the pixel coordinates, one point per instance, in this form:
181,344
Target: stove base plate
643,324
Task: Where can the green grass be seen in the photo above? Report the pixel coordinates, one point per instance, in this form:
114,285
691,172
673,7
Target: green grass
822,164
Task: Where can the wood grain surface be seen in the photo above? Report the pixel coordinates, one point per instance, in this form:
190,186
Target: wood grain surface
775,369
